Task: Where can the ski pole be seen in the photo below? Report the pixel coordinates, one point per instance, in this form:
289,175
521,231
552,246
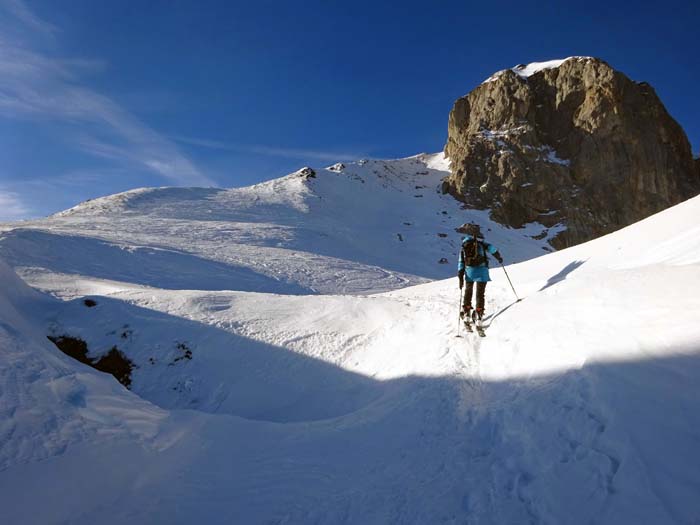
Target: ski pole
459,314
511,284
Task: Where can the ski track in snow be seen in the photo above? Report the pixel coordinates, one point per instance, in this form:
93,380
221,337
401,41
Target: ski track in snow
302,405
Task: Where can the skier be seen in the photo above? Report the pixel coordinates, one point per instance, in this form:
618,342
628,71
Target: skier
473,261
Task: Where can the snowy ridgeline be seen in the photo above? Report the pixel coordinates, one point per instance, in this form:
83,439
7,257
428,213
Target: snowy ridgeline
525,71
581,404
366,227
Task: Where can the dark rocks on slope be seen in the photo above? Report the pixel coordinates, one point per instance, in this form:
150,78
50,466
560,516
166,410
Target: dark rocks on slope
113,362
306,173
579,144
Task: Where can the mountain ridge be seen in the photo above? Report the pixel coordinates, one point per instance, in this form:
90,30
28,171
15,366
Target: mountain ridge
368,226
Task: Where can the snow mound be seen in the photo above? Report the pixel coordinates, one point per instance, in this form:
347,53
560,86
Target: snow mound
49,401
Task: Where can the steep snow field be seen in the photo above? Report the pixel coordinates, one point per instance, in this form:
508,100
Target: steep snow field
366,227
582,404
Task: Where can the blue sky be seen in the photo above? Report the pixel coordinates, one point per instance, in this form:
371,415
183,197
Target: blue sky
101,97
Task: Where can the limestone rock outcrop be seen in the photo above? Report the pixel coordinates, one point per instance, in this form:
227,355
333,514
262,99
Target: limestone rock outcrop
571,144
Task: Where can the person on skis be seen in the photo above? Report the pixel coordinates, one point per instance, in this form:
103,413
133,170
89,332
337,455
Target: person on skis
474,265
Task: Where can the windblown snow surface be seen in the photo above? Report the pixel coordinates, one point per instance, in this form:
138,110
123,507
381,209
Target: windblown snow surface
581,405
366,227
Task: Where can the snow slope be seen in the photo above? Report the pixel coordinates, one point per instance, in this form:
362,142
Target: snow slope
366,227
48,401
581,405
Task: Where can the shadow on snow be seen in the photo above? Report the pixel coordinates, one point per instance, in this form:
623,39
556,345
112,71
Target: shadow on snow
512,451
162,268
563,274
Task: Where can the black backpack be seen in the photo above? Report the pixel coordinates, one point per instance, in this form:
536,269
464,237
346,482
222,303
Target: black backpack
471,254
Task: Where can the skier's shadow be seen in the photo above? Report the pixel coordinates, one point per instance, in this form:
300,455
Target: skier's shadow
554,279
550,282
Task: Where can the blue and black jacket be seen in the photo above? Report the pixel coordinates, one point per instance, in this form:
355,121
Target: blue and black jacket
476,273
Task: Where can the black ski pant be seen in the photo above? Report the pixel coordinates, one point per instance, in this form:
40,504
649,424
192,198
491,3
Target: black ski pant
480,294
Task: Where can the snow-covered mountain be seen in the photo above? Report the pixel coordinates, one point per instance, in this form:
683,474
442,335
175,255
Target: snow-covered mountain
366,227
254,401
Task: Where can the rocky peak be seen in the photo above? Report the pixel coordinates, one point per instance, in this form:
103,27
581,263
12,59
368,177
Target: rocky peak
569,143
305,173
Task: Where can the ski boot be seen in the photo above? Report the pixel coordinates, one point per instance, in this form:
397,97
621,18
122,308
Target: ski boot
467,317
477,317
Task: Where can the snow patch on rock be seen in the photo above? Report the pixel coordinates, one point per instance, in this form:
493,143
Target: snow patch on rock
525,71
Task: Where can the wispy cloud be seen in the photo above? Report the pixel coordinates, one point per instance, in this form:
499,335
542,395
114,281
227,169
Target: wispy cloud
22,13
35,85
39,196
72,179
11,207
272,151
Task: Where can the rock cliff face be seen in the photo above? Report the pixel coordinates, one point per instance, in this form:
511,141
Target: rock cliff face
571,144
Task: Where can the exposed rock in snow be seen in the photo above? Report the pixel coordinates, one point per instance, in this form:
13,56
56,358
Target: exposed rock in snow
338,167
306,173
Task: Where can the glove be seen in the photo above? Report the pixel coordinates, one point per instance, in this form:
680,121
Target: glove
498,257
460,276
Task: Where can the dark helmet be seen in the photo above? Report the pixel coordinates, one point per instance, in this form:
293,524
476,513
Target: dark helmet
472,229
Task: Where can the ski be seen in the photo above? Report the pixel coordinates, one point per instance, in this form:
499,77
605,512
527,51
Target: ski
467,320
468,325
472,323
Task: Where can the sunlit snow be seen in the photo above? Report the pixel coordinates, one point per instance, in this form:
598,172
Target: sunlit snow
301,403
